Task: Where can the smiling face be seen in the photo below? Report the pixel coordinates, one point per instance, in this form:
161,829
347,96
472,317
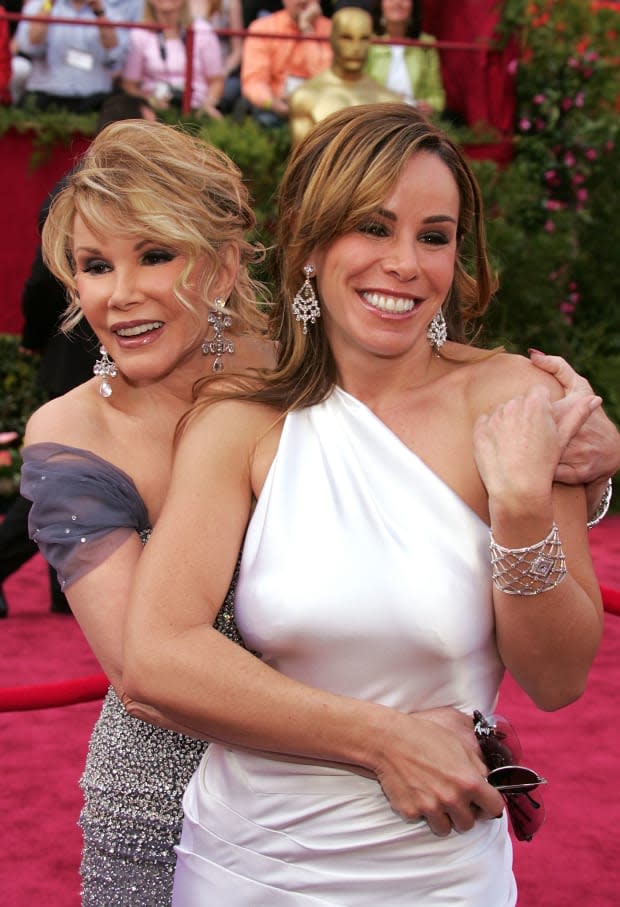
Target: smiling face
381,285
126,289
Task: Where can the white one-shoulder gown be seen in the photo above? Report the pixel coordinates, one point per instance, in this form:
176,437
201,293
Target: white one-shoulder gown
363,574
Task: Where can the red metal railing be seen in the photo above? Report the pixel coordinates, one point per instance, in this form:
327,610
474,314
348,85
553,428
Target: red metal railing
480,47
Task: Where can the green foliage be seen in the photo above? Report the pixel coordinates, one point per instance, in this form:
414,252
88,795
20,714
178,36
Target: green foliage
46,128
553,230
20,395
261,156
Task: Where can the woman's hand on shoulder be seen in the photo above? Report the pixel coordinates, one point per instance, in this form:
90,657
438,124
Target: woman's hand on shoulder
589,441
592,442
517,443
516,449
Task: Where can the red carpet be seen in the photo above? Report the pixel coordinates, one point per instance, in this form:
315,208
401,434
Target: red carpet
572,861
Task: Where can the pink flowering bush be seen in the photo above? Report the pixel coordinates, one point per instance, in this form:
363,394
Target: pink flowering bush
554,228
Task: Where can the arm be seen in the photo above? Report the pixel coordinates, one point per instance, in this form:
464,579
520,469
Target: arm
134,69
37,31
211,71
107,34
547,640
317,54
84,498
256,70
99,602
431,91
233,60
178,666
592,442
215,90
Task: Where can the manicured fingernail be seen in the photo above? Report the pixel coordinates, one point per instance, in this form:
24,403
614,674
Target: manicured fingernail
535,352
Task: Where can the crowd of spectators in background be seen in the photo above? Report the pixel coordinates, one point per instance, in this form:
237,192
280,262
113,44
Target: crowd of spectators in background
74,67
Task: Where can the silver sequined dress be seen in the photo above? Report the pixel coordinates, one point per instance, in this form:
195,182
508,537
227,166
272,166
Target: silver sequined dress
135,775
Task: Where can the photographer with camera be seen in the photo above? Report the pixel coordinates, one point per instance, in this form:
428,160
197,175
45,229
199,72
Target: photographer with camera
156,61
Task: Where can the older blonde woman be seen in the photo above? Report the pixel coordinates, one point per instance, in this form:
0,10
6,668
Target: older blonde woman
150,238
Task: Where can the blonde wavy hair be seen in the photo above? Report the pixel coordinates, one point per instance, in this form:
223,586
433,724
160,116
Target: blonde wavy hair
145,179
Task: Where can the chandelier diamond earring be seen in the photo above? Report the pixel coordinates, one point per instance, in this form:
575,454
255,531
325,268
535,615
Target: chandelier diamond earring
437,332
105,368
306,304
219,345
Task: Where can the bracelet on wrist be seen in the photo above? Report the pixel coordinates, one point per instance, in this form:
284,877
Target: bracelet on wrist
603,507
531,570
99,13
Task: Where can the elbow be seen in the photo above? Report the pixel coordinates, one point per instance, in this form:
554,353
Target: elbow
140,710
557,699
133,707
138,684
552,696
554,687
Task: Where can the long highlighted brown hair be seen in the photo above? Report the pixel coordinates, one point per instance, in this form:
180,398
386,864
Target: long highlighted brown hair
337,176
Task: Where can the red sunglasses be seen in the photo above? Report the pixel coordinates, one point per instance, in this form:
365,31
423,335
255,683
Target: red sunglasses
501,750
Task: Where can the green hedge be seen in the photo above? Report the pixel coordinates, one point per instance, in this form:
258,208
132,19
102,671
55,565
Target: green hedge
20,395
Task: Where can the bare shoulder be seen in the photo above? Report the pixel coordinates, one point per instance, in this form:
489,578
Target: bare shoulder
63,420
232,438
496,377
229,425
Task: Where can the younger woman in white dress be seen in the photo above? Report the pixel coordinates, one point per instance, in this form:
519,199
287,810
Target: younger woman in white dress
368,477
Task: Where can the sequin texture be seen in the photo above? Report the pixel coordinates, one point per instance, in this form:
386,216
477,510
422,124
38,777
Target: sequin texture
135,774
133,786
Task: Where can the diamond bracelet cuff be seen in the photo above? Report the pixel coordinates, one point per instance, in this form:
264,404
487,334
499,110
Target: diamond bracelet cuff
531,570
